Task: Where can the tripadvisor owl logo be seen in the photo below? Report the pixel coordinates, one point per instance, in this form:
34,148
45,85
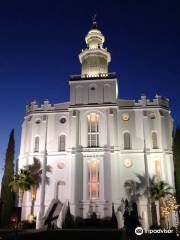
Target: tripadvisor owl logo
139,231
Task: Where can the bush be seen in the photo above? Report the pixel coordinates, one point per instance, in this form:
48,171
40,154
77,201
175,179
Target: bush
79,222
69,219
94,223
26,225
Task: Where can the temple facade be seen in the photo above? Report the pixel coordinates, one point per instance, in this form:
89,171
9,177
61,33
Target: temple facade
95,142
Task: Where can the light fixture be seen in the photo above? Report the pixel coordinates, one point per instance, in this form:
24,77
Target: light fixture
125,116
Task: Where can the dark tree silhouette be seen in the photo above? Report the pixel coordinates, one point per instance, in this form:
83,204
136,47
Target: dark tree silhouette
176,155
69,220
114,223
7,196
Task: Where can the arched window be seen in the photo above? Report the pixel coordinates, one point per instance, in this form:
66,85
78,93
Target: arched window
93,179
36,144
127,140
93,130
62,143
154,140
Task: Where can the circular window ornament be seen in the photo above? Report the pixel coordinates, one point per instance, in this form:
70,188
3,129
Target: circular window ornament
61,165
152,115
62,120
92,88
38,121
125,116
128,163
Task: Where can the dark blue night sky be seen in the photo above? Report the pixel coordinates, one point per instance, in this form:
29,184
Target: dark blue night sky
40,42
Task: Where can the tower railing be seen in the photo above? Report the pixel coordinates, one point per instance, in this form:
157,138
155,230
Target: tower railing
93,76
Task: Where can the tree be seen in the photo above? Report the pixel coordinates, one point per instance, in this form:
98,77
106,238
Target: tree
114,223
69,220
176,157
21,182
35,170
158,190
7,197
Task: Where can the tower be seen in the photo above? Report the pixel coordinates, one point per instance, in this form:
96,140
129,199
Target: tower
95,57
93,104
95,85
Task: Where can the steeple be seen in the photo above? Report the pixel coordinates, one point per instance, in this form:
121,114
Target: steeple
95,57
94,25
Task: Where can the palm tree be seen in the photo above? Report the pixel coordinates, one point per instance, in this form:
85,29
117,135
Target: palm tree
35,170
157,191
21,182
135,189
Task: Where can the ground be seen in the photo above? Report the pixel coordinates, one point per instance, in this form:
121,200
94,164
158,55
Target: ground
92,234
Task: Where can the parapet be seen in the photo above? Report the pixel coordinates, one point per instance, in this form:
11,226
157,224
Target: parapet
144,102
33,107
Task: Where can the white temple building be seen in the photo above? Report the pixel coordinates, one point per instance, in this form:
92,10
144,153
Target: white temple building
95,142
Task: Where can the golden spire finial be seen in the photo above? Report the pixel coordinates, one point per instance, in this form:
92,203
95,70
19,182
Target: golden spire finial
94,26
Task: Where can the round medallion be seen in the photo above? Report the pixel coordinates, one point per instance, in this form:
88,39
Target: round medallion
125,116
38,121
152,115
63,120
128,163
61,165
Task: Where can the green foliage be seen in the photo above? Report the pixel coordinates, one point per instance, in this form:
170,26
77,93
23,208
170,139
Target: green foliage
21,181
35,170
136,189
158,189
176,157
7,197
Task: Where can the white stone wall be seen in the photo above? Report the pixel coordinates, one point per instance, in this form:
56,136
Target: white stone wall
96,90
104,91
110,154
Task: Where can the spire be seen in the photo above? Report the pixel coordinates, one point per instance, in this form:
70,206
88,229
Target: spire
94,25
94,58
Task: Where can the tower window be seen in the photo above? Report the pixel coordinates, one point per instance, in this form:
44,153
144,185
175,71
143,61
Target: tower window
93,130
93,179
154,140
127,141
38,121
36,144
62,120
62,143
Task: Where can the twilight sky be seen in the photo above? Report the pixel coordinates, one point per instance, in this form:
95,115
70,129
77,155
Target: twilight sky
40,42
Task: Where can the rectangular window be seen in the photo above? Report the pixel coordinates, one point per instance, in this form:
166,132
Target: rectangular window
93,130
154,140
93,179
36,144
158,169
62,143
127,141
